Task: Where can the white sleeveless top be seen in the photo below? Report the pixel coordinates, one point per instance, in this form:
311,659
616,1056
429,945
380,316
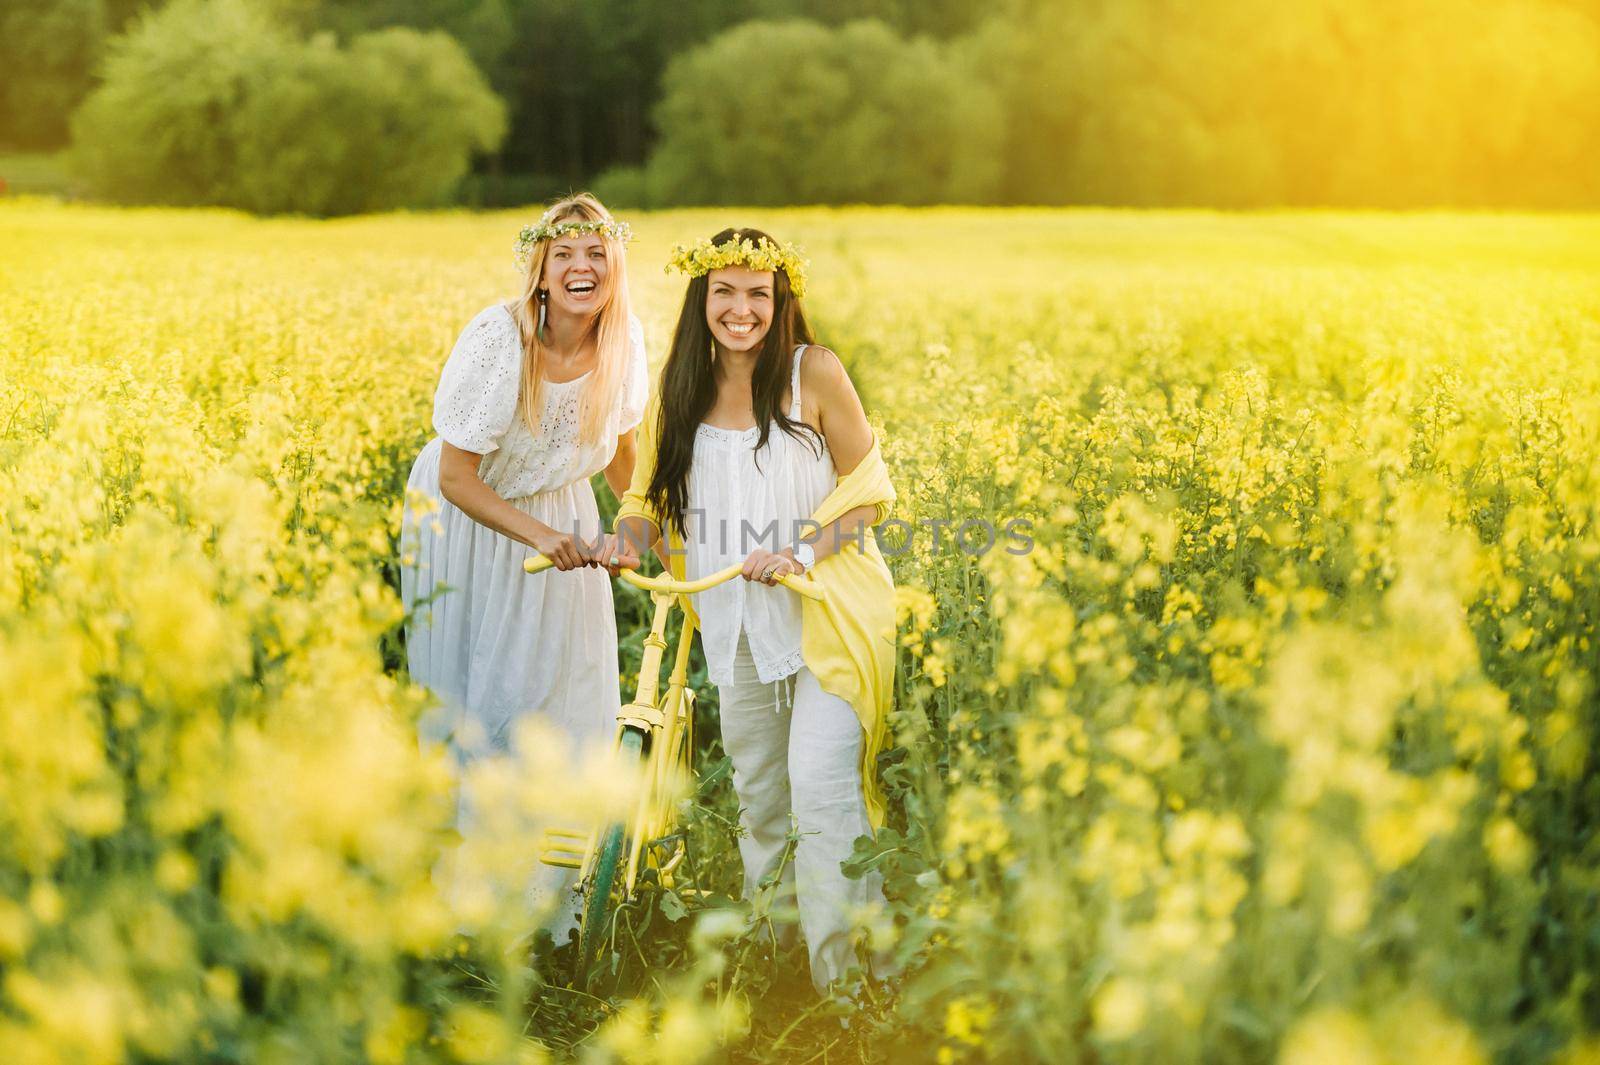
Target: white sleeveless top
741,499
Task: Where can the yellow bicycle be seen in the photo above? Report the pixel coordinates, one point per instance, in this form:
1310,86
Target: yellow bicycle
656,731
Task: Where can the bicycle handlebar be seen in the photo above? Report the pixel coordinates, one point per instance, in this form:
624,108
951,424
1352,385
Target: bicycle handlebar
664,583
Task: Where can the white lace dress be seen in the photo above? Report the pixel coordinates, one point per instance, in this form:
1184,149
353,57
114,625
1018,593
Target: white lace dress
493,643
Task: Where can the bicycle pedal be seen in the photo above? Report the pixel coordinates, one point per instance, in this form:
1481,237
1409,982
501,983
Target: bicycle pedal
562,859
563,849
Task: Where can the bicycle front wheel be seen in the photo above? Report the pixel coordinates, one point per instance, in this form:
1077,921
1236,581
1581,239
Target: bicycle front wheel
600,900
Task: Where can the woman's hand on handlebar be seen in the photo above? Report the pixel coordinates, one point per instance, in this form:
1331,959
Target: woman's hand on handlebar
768,566
564,550
615,554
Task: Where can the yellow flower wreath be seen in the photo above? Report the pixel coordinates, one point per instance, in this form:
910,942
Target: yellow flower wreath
704,257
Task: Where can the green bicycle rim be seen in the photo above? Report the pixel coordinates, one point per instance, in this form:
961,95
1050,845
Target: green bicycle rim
608,859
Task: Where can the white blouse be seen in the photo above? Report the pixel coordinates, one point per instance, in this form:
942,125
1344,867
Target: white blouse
475,409
741,499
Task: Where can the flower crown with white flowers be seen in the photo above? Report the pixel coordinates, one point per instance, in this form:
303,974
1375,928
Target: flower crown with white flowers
545,229
699,259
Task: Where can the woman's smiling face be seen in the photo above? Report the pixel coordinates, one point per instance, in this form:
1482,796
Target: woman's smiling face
739,306
575,270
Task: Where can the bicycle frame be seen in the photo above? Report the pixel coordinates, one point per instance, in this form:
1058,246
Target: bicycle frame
665,719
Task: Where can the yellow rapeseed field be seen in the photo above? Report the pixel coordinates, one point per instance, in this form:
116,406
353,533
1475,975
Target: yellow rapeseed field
1263,731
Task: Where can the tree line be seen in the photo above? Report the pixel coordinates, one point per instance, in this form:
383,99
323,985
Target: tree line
332,106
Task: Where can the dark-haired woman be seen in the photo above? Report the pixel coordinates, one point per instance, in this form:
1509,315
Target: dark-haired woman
757,450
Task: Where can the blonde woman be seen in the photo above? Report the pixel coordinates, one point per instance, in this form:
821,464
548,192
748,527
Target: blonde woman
538,395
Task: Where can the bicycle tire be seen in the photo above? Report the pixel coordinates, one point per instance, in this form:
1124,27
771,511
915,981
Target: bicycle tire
598,904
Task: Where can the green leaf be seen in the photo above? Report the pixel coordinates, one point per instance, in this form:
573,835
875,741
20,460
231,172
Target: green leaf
672,907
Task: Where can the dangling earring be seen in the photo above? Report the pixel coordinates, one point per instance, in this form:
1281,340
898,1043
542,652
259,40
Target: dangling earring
712,354
539,332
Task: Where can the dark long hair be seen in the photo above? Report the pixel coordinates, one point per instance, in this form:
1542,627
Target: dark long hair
689,385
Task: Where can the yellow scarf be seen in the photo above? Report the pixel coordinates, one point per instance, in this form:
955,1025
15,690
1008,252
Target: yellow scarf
847,641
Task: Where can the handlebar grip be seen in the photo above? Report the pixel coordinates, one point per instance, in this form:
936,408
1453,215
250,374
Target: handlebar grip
537,563
803,586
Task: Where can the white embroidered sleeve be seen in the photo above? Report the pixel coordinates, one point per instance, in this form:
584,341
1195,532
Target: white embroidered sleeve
476,401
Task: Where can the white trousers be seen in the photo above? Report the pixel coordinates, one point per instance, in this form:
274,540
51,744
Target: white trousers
797,749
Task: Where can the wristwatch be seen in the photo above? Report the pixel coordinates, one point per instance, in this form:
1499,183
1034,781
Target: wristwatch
805,555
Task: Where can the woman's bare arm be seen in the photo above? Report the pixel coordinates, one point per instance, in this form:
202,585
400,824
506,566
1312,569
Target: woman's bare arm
460,484
844,426
619,471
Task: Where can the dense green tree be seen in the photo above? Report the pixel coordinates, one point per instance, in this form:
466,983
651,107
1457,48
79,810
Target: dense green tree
48,53
795,112
483,27
583,76
216,102
935,18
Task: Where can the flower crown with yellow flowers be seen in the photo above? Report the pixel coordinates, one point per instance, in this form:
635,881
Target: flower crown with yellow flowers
704,257
545,229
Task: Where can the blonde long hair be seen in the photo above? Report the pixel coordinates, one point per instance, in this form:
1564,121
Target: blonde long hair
612,341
